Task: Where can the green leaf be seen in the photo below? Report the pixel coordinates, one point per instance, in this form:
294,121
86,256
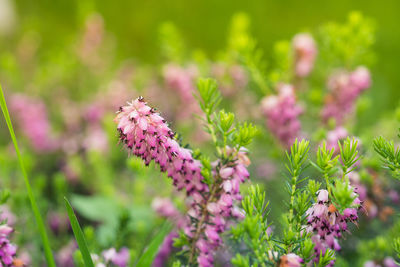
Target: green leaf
151,251
80,238
39,220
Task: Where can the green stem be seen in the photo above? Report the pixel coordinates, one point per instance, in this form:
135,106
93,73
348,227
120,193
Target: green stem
38,217
291,211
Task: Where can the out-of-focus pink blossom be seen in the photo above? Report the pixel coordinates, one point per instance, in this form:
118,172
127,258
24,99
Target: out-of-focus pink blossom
165,250
64,256
344,88
7,216
58,222
91,40
332,138
291,260
164,207
96,139
182,80
231,78
117,258
31,116
305,51
282,114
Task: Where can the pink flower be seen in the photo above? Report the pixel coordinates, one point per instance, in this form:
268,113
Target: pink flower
334,136
326,224
290,260
165,250
31,116
305,51
7,249
146,134
164,207
117,258
344,88
282,112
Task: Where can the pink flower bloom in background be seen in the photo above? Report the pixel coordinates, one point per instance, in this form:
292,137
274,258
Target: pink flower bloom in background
387,262
96,139
7,215
305,51
91,41
290,260
282,114
345,88
31,116
58,222
117,258
231,78
332,138
165,250
182,80
164,207
65,256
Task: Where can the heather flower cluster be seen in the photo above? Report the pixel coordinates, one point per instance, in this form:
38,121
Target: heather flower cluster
327,224
220,205
282,114
145,133
7,249
305,51
211,204
344,88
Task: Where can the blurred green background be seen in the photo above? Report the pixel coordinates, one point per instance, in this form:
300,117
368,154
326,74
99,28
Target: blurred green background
204,24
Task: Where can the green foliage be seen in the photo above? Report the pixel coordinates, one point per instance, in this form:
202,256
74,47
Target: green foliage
111,216
146,259
172,44
342,195
297,157
326,162
348,154
396,247
253,229
80,238
210,96
245,134
390,155
243,46
221,126
283,63
325,259
347,44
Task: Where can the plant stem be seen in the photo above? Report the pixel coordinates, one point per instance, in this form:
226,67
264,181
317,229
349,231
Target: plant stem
201,222
35,209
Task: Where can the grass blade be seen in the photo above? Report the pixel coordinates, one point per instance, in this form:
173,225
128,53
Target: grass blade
80,238
150,252
35,209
